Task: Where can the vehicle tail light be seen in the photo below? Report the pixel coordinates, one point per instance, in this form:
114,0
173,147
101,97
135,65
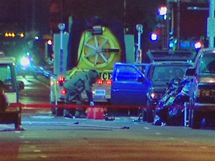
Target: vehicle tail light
63,91
61,80
99,81
102,82
109,82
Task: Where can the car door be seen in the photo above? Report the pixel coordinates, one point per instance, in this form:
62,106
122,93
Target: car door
129,85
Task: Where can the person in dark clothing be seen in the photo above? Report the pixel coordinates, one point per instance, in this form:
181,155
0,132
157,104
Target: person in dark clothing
80,82
3,99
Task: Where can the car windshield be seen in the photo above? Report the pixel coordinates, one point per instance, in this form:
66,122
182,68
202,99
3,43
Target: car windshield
207,63
163,74
6,77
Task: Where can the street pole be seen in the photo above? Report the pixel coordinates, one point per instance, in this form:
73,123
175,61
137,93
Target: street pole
124,15
139,29
211,24
61,27
178,23
168,22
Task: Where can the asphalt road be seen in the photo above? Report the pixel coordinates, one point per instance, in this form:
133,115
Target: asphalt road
36,90
49,138
52,138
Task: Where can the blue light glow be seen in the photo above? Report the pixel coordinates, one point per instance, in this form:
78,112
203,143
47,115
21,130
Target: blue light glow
154,36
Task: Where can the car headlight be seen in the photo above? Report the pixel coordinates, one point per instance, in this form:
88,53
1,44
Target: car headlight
25,61
155,95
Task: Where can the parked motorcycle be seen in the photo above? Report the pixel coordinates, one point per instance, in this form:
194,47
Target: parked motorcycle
170,108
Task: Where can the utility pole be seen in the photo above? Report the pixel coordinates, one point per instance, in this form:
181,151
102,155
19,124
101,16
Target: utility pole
169,22
178,23
125,25
61,27
211,24
139,28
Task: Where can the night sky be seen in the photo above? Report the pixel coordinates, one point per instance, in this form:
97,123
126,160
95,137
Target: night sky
23,15
28,14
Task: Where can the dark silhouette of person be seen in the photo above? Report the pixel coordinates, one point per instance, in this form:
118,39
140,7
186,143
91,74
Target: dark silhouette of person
3,99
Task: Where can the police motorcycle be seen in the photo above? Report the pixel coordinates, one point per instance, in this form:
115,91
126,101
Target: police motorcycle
170,108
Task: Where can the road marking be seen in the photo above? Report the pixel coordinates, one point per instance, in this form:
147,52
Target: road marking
36,150
171,138
43,156
203,147
22,136
147,128
43,117
186,142
5,126
47,123
157,133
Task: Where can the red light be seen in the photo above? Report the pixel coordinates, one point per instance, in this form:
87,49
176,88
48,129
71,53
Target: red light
61,80
99,81
63,91
109,82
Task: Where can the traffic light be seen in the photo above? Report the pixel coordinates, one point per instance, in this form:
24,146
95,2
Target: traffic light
162,12
49,42
198,44
154,36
